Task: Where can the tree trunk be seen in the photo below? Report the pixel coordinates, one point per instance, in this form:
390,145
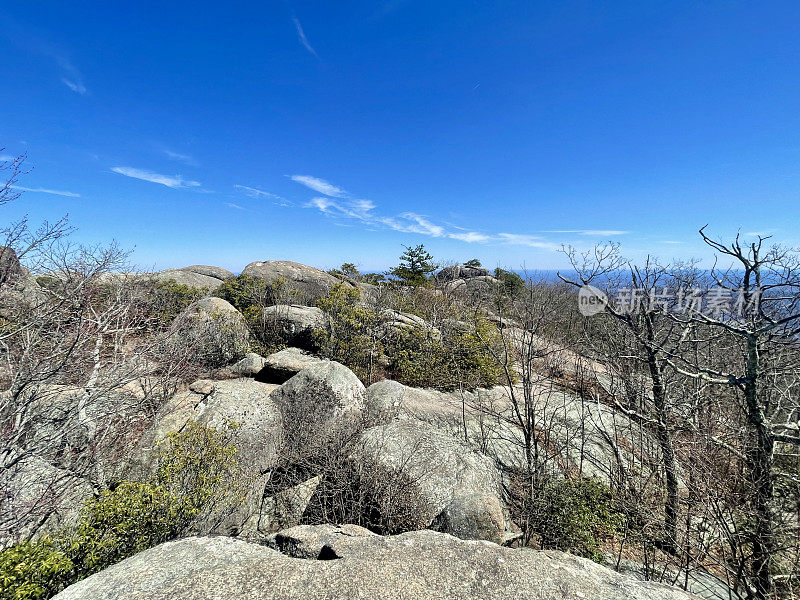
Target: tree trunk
760,459
671,505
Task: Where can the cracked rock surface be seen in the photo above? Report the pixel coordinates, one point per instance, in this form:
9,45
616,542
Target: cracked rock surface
350,562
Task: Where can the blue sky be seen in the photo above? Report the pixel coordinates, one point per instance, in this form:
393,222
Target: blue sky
324,132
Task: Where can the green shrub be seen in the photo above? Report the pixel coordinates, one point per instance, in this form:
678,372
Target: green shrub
34,570
419,358
244,291
512,283
250,296
168,299
196,472
575,516
353,336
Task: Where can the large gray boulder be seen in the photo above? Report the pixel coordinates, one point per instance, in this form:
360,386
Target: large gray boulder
395,321
37,497
318,404
214,329
460,272
10,267
420,565
285,364
309,282
244,403
461,488
243,410
249,366
474,287
296,324
197,276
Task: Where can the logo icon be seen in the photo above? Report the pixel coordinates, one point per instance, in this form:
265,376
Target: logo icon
591,301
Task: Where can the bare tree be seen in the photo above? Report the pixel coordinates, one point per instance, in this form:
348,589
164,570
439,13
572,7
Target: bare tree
759,338
642,318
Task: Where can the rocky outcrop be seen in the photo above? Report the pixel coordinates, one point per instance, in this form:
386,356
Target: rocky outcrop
286,508
396,321
473,287
473,282
243,410
214,329
318,404
460,272
249,366
197,276
282,366
309,282
582,437
244,403
385,400
296,324
10,267
352,563
38,497
460,488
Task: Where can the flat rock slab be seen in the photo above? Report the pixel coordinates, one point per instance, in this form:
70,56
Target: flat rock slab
421,565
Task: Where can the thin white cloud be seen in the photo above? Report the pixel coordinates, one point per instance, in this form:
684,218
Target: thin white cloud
175,181
75,86
591,232
71,78
183,158
470,237
259,194
339,207
236,206
408,222
348,209
6,157
413,223
254,192
319,185
532,241
40,190
302,37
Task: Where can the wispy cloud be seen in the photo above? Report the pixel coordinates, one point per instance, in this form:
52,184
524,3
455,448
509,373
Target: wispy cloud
183,158
337,206
413,223
6,157
236,206
259,194
302,37
532,241
174,181
75,86
591,232
319,185
20,188
71,77
471,237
